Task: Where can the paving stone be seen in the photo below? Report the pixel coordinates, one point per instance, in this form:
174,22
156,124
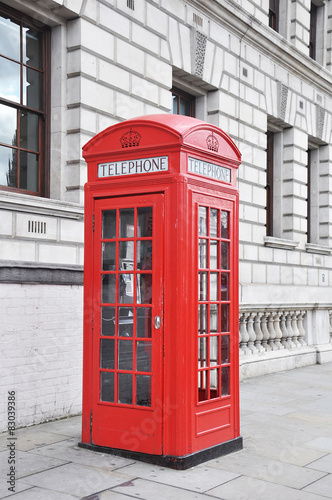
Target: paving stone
26,463
322,443
41,494
323,464
322,487
149,490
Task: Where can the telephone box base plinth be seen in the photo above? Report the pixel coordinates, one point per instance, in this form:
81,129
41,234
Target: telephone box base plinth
173,462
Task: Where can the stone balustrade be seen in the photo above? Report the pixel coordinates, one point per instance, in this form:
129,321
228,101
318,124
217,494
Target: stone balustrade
271,329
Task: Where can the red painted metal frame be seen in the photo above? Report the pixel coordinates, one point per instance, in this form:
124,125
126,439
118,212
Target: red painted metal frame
186,425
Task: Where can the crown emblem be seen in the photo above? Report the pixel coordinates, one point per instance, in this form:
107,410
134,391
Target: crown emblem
130,139
212,143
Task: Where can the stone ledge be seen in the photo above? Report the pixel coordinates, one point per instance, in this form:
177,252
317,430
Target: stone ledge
35,273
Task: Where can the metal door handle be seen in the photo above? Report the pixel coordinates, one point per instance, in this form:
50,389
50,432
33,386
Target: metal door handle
157,322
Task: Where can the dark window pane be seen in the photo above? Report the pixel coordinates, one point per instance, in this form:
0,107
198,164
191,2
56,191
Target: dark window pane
9,39
8,127
202,319
126,223
224,380
8,166
224,318
214,359
202,221
108,288
125,388
214,383
144,222
143,390
126,255
126,288
144,255
143,356
29,131
32,88
126,320
214,222
108,321
224,287
143,322
224,255
144,288
10,80
185,107
109,224
32,48
202,352
107,353
214,319
29,171
125,355
202,386
202,286
224,348
175,106
202,254
224,224
107,386
108,256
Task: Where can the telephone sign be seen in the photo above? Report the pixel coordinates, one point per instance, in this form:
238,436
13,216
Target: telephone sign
160,367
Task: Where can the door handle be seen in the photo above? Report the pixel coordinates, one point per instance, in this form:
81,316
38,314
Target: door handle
157,322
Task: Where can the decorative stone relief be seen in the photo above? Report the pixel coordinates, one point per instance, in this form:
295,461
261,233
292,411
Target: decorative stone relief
200,44
320,121
283,101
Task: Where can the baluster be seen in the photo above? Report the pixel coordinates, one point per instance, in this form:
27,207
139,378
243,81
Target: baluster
251,333
272,331
283,329
301,328
330,315
276,326
295,328
258,332
265,331
290,343
244,333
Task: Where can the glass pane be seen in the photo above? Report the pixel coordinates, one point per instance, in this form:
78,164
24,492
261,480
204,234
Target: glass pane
175,104
8,125
143,322
32,88
202,286
143,390
202,319
202,254
127,223
214,386
32,48
143,356
214,222
224,255
109,224
126,255
10,80
202,386
202,221
126,322
214,309
125,388
224,380
144,255
8,166
108,251
202,352
214,350
126,288
224,224
213,286
107,355
144,288
29,131
107,386
108,321
125,355
224,349
144,222
184,106
213,254
9,39
224,287
224,318
29,171
108,288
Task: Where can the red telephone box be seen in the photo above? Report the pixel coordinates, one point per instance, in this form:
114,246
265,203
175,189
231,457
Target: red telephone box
160,374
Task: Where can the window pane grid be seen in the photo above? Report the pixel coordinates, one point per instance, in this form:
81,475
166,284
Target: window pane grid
213,303
126,303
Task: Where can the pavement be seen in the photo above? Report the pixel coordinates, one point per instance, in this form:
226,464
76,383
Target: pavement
286,425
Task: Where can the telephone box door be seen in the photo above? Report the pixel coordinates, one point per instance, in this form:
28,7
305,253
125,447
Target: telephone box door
128,323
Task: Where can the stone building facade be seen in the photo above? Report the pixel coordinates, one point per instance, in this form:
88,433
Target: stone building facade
260,70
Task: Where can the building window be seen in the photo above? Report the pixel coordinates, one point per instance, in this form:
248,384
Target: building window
269,183
313,31
274,14
23,104
183,103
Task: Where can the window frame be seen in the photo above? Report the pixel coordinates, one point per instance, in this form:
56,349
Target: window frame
182,95
43,114
274,15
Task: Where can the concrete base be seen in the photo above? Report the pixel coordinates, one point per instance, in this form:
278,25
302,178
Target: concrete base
256,365
324,353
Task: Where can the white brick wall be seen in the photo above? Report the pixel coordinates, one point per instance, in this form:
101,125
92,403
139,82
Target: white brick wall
41,351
